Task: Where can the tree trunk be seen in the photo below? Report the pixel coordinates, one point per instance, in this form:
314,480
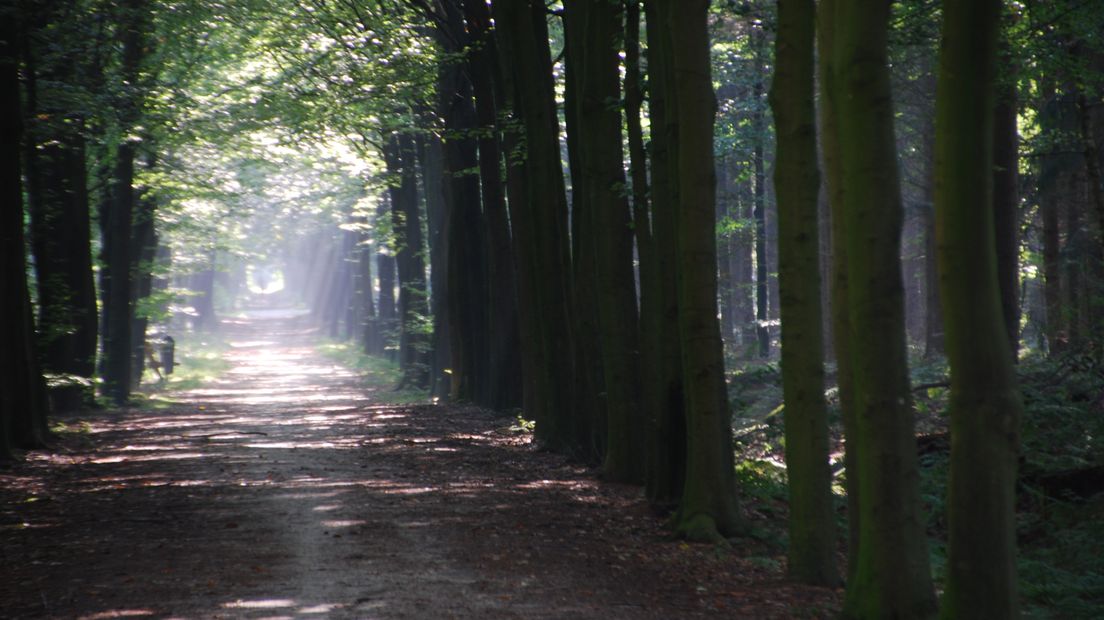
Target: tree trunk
759,175
591,397
841,318
1006,178
892,577
23,405
511,131
709,508
985,406
118,308
58,198
651,309
385,267
601,181
523,35
406,223
666,442
143,253
433,177
504,361
797,182
60,238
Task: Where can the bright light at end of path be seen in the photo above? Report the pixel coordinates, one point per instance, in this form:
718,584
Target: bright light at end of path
265,279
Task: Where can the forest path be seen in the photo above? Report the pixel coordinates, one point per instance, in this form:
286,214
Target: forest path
287,490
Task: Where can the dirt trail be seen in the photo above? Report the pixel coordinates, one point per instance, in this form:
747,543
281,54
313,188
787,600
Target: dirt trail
287,490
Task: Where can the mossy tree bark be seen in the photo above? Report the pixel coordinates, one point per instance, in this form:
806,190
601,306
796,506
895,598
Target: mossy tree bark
602,180
892,573
985,407
797,183
709,508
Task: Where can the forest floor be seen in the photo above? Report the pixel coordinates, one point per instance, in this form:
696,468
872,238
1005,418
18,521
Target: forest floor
289,487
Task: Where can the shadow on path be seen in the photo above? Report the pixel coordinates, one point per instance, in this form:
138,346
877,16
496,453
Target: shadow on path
286,489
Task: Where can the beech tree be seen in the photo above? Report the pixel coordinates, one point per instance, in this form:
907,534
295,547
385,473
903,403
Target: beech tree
23,404
796,182
667,426
891,576
985,406
708,507
601,179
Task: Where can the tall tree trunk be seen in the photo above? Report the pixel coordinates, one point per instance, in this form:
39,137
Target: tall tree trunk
118,300
651,322
666,441
118,306
468,285
401,160
601,180
831,155
892,577
759,174
797,182
591,397
433,177
58,198
504,362
709,508
511,131
385,267
933,310
985,405
543,239
23,405
143,252
61,239
1006,212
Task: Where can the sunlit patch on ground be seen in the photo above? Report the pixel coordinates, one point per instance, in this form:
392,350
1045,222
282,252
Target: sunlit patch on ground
283,489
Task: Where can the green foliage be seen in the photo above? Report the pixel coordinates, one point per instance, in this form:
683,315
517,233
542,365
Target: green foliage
523,426
1061,552
377,374
200,359
1062,571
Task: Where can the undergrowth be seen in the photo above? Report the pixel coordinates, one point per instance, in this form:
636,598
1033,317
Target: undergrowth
1061,545
377,374
199,360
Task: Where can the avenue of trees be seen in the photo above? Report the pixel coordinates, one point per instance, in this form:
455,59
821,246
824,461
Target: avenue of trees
590,212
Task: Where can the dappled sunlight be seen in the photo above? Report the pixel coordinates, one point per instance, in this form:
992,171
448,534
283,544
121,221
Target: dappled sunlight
270,603
344,523
145,458
119,613
283,437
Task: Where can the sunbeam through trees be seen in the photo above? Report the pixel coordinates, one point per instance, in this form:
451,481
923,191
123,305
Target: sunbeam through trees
764,308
